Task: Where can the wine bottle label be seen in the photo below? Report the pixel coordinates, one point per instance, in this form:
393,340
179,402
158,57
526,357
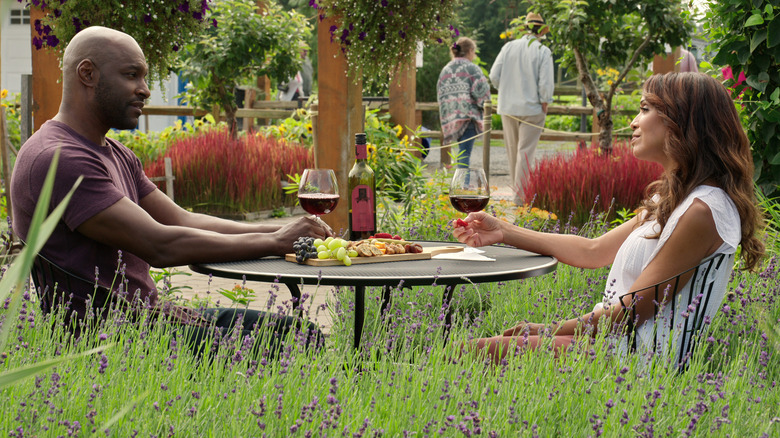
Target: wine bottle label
362,208
361,152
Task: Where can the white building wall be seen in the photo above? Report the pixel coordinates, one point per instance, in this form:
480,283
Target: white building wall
15,49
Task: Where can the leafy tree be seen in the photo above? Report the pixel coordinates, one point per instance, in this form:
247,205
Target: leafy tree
484,20
246,44
746,34
616,33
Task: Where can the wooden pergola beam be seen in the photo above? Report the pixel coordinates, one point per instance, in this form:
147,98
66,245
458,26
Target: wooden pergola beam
340,117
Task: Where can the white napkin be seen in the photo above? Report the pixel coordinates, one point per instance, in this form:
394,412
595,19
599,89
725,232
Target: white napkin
468,254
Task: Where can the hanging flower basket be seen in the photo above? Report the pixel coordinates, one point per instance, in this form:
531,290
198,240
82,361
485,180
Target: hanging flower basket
377,36
160,27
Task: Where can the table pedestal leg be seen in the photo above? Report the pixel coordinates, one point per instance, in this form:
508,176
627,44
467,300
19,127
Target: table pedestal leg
360,309
385,299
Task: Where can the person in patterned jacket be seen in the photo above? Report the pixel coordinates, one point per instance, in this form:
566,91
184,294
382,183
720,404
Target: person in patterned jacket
462,92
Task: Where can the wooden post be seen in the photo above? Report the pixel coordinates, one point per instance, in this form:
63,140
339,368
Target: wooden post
668,63
594,142
25,130
169,177
487,123
340,117
314,112
249,101
47,88
403,89
6,158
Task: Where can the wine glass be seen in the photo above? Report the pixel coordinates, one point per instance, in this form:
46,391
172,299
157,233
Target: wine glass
318,191
469,190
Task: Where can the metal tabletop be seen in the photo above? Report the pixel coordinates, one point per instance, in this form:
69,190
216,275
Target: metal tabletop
510,264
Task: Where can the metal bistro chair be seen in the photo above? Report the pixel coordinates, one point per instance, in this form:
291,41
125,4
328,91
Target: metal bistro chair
54,285
679,311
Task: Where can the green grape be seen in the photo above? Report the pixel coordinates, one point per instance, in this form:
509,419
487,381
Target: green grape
321,248
334,245
347,261
318,242
341,253
352,253
328,240
344,243
323,254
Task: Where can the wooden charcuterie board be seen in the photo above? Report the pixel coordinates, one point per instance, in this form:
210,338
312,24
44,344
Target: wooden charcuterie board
426,253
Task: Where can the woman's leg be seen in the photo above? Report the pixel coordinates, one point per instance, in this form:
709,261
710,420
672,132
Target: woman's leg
498,347
465,148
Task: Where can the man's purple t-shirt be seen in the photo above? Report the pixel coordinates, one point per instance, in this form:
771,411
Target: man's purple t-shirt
110,173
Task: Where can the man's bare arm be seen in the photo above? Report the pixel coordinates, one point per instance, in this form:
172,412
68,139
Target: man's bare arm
162,209
127,226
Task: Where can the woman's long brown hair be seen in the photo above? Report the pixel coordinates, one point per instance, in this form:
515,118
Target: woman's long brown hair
707,143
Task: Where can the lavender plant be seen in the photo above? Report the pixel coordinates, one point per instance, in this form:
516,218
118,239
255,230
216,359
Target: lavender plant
410,376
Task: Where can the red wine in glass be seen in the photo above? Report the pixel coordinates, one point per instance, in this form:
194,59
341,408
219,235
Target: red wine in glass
469,203
318,203
318,191
469,191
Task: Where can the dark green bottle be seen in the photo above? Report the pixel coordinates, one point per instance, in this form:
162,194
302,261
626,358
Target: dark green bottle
362,190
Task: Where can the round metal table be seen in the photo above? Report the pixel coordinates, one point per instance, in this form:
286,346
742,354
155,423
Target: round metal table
510,264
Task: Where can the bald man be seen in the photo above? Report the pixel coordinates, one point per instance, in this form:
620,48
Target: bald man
118,223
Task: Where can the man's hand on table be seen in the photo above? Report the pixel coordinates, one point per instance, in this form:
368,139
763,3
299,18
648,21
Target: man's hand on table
308,226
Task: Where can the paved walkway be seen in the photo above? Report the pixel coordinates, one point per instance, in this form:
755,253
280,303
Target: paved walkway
199,286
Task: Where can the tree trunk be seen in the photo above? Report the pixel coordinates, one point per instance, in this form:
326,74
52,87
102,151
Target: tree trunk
603,109
230,118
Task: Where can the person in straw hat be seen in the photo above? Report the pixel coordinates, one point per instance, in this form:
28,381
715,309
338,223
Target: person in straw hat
523,75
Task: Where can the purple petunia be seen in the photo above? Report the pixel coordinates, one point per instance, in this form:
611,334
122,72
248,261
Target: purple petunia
184,7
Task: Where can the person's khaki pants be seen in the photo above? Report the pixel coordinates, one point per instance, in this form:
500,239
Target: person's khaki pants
521,140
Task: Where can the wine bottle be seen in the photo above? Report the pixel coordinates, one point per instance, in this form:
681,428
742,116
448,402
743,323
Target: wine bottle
362,207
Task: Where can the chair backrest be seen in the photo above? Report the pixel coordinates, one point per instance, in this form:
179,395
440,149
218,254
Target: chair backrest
54,286
681,312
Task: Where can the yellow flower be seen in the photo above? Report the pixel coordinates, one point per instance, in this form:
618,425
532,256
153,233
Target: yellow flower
398,130
502,36
282,129
3,93
371,148
610,81
309,127
198,123
2,105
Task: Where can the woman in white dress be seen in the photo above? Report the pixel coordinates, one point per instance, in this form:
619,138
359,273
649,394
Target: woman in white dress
702,205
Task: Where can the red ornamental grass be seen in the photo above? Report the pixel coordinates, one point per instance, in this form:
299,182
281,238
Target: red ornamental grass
571,183
217,174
